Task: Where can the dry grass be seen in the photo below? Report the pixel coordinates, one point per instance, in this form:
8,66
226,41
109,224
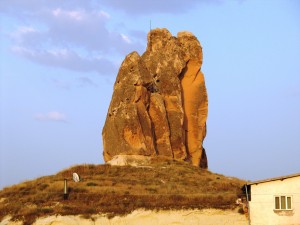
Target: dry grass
119,190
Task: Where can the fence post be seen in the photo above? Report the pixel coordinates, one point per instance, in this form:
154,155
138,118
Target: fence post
66,195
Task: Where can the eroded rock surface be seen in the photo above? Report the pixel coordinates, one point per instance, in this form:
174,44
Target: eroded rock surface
159,104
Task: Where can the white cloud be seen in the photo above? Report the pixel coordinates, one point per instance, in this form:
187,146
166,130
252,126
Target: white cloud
51,116
24,30
138,7
23,51
26,36
104,14
78,15
35,5
69,34
126,38
67,59
56,12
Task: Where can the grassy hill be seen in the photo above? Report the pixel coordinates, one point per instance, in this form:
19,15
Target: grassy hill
116,190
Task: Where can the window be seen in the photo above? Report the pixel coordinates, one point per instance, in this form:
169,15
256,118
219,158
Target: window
283,202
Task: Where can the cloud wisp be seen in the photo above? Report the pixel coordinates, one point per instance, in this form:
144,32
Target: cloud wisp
51,116
87,82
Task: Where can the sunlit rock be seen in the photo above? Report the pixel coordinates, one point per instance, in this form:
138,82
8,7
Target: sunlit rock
159,105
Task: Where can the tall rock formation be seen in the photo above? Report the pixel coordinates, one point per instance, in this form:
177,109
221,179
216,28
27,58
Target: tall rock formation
159,104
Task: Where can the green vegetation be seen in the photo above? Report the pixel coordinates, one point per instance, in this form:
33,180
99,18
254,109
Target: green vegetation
115,190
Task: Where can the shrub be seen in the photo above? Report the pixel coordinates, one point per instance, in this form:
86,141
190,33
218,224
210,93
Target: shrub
91,184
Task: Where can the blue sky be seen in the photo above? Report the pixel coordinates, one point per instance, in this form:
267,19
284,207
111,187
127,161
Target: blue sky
59,60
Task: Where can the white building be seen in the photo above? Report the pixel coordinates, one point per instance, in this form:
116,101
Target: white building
275,201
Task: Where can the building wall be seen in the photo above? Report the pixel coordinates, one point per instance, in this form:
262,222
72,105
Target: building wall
262,202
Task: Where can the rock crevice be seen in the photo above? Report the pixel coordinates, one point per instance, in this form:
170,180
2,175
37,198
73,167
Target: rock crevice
159,104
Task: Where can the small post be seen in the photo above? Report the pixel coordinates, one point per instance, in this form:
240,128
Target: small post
66,195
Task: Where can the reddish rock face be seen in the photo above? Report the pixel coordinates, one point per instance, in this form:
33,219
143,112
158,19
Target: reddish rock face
159,104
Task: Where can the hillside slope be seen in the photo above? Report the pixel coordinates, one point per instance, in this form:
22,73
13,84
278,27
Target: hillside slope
116,190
